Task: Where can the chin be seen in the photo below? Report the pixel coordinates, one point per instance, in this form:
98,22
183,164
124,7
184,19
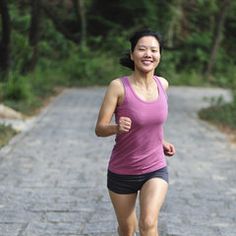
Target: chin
147,70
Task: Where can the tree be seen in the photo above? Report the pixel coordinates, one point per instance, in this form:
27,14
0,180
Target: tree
217,36
5,40
119,15
34,34
58,13
175,28
81,17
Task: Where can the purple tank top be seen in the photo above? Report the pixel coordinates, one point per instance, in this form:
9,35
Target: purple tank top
140,150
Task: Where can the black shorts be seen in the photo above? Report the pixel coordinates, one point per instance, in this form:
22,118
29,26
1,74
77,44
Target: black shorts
126,184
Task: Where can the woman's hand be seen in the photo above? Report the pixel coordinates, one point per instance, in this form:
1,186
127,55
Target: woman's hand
169,149
124,124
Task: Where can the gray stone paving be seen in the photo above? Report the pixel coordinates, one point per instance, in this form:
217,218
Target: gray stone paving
53,175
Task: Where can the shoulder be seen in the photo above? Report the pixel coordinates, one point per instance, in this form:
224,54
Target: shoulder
116,87
164,82
116,83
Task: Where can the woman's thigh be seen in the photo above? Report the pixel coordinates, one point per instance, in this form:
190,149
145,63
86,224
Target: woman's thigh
124,205
152,196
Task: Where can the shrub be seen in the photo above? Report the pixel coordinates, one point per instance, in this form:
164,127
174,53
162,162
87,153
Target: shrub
17,87
91,68
6,133
220,112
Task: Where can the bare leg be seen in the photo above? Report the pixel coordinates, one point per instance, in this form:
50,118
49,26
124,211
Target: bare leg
152,196
124,206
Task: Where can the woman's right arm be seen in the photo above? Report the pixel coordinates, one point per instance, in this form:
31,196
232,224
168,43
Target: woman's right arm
104,127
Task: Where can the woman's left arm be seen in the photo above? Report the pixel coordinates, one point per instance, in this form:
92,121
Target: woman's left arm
169,148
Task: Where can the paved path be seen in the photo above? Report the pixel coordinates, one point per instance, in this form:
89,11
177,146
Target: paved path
53,175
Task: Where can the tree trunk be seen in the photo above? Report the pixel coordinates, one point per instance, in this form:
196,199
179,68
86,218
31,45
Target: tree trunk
53,16
217,37
81,16
5,40
34,35
174,26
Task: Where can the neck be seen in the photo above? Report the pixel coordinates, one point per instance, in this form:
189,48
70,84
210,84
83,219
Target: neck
142,78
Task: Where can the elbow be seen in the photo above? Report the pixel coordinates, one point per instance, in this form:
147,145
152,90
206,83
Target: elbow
98,132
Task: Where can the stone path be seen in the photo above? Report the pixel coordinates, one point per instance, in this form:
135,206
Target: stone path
53,175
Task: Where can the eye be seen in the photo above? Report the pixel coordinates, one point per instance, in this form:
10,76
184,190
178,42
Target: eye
154,50
141,49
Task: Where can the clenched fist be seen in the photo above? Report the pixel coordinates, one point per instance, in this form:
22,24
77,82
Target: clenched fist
124,124
169,149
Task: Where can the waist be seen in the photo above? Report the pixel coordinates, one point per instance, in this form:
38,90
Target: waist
129,163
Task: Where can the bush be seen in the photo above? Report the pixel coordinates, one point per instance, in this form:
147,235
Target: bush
6,133
91,68
220,113
18,94
227,79
17,88
45,81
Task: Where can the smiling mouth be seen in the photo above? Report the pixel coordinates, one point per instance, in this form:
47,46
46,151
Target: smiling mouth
147,62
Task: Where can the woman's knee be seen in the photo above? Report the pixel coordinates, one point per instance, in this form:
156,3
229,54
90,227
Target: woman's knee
148,223
126,230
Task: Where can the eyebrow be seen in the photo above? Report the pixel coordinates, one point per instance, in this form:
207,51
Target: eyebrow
156,47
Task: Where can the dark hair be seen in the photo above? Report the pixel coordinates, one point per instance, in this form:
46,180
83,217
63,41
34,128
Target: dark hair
125,60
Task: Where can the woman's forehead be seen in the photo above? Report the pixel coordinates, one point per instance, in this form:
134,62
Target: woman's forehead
148,41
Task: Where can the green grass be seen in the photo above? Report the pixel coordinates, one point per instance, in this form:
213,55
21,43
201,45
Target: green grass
222,115
6,134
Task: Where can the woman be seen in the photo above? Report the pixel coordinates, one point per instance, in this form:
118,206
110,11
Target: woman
137,163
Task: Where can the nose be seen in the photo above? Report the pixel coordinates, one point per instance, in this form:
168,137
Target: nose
147,53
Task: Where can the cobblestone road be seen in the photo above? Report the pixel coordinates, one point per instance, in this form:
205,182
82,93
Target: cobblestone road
53,176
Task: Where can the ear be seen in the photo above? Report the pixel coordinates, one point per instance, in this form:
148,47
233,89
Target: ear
131,56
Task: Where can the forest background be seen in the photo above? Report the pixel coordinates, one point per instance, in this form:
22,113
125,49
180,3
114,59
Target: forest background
46,45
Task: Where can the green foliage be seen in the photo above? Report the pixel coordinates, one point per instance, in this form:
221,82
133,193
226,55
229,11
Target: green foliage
226,77
188,25
20,18
53,44
195,53
188,78
87,67
220,113
26,93
18,94
17,88
115,44
43,82
21,51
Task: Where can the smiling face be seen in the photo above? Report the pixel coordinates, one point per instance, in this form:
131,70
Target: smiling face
146,54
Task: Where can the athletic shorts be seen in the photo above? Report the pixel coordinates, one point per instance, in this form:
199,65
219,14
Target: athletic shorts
126,184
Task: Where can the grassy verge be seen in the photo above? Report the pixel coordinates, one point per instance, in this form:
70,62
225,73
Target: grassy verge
222,115
6,134
27,108
28,94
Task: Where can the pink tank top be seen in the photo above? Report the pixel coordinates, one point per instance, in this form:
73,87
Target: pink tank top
140,150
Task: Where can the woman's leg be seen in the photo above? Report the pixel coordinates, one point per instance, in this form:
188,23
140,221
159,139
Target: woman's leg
152,196
124,205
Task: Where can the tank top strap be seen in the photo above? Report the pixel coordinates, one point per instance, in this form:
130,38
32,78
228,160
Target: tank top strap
160,85
127,88
124,80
